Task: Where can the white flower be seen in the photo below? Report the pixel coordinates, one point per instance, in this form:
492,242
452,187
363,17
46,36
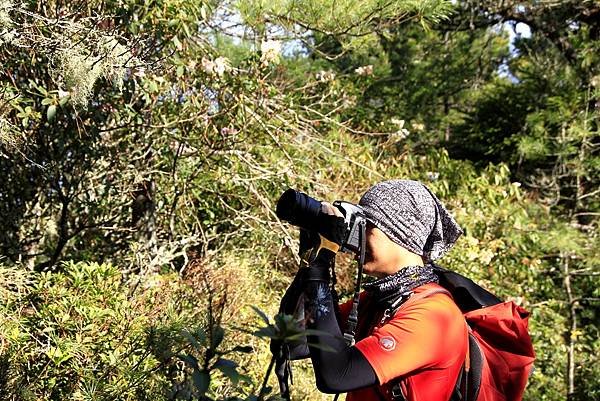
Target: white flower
221,65
6,6
218,66
226,131
364,70
62,93
375,102
398,122
325,76
270,50
139,72
418,126
432,175
402,133
208,65
486,256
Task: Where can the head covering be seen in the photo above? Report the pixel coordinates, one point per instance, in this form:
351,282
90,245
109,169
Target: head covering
411,216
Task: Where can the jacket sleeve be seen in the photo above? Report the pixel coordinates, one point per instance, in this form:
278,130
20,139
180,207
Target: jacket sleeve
337,366
292,303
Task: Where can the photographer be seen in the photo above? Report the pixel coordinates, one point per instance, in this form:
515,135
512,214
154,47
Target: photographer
411,338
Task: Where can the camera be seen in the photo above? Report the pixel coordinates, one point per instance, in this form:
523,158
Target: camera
299,209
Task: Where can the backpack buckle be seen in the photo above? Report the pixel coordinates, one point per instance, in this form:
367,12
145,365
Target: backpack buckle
397,394
349,338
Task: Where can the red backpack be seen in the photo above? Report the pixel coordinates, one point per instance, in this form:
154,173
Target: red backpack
500,357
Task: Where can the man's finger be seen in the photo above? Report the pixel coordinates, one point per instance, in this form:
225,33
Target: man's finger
328,208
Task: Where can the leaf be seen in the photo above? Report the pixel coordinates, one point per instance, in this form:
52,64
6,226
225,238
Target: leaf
186,29
266,332
229,369
112,358
51,112
197,340
322,347
222,362
189,360
260,313
286,322
63,100
40,89
245,349
313,332
217,337
152,86
231,374
245,378
201,380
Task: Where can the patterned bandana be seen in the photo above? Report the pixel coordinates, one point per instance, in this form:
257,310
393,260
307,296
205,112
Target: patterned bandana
387,290
411,216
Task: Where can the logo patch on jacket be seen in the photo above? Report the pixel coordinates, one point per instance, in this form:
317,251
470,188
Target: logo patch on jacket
387,343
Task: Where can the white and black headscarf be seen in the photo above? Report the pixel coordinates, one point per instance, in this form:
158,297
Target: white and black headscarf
411,216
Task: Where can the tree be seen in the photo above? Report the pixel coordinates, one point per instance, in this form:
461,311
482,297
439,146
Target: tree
531,104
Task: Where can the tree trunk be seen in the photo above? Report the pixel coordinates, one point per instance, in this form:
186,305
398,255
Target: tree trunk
572,334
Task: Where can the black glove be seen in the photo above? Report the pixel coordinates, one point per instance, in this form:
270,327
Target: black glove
332,228
308,241
332,231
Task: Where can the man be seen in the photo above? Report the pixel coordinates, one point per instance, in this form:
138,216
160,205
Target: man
411,337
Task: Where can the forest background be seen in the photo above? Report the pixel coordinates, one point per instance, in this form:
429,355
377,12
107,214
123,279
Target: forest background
143,145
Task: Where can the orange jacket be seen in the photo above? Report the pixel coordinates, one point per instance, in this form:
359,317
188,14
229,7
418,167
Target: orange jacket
423,346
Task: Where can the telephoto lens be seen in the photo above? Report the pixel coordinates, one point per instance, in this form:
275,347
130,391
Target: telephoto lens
298,209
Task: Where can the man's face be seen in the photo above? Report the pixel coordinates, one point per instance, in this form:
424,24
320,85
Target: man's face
381,256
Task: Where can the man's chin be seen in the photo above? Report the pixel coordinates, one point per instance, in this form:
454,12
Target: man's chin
367,268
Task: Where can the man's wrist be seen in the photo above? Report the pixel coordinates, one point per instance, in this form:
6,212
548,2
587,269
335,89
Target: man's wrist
321,264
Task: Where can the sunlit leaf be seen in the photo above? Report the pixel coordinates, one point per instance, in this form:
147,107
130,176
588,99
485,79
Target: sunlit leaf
262,314
51,112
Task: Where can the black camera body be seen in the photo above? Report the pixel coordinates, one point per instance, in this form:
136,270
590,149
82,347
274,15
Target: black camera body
354,216
301,210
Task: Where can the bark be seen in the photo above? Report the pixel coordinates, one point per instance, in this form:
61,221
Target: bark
572,334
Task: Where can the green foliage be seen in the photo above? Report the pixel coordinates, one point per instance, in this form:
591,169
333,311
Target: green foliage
213,359
84,334
344,19
150,137
77,335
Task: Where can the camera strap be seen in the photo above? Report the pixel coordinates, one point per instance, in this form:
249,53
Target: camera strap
350,333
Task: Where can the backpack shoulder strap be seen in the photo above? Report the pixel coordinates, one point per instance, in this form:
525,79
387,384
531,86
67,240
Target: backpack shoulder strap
396,390
469,378
467,294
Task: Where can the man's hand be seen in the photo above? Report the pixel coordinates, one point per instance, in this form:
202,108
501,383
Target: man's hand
329,209
332,228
